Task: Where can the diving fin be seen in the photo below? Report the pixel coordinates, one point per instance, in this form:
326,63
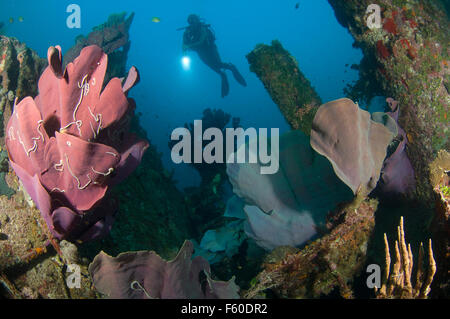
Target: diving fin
239,78
225,85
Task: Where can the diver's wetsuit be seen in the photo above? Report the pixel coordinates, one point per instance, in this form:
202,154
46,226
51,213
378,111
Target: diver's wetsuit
198,37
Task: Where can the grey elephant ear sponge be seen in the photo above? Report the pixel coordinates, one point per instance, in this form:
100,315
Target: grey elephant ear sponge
353,143
286,208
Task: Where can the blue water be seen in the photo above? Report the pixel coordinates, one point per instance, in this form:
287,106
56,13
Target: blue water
169,96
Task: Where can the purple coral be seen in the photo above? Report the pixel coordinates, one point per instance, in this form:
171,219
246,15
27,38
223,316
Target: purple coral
72,142
145,275
397,174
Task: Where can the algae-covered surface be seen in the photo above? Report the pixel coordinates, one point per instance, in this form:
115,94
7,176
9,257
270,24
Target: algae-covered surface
286,84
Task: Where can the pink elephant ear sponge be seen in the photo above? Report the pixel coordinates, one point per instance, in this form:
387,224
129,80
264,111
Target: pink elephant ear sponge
65,144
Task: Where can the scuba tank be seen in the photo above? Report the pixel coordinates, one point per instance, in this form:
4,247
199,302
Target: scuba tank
190,36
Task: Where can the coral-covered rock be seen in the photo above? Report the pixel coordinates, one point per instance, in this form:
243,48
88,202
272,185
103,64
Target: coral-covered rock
440,176
145,275
329,263
70,139
382,50
20,68
409,61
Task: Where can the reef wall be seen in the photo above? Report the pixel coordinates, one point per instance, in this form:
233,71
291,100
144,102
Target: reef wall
409,57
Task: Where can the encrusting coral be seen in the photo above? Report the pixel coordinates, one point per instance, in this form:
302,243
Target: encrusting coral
328,264
440,177
409,61
286,84
20,68
398,283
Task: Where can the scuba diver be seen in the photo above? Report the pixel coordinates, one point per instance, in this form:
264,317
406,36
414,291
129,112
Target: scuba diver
198,37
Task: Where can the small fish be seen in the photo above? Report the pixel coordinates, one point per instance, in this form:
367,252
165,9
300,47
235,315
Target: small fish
11,20
409,137
20,19
156,20
297,5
